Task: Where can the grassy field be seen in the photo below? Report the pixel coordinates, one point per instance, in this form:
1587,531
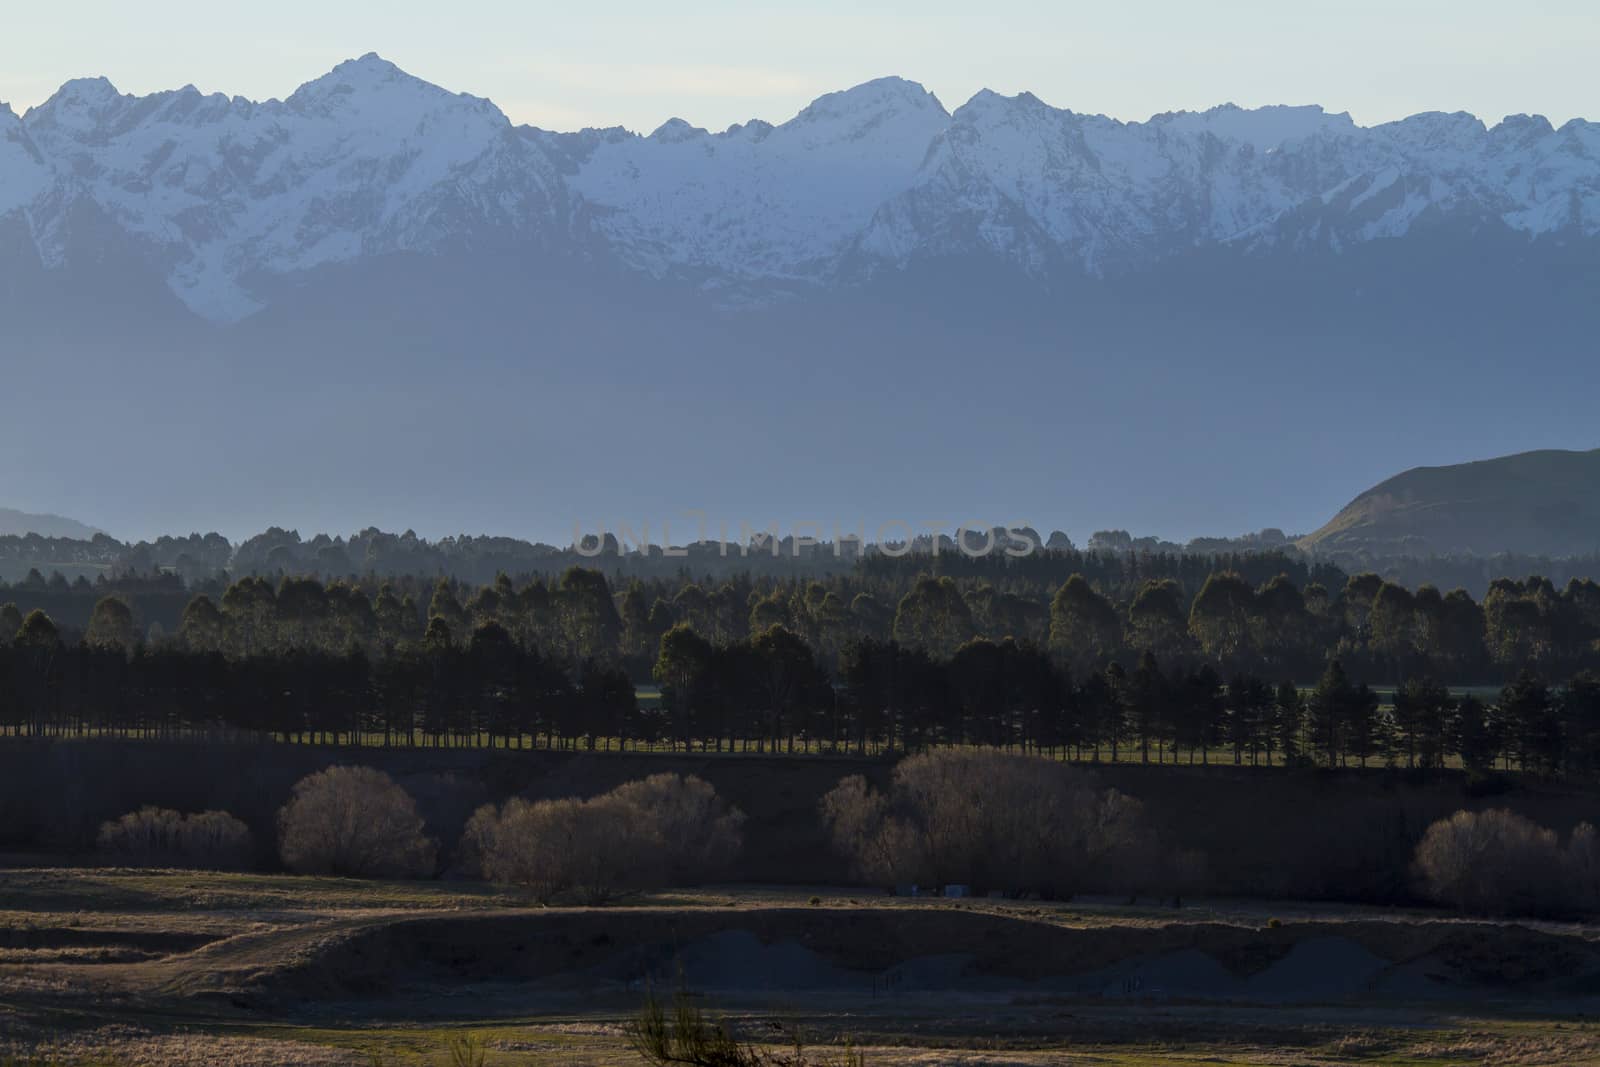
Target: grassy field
163,967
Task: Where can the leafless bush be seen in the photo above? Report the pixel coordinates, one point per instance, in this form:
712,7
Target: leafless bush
354,821
224,841
663,830
697,833
161,837
1495,863
880,847
532,844
1583,867
984,818
141,837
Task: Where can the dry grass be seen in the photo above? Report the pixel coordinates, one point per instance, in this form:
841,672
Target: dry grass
113,890
1102,1041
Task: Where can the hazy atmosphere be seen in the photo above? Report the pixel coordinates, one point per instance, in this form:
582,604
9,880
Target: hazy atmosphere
872,268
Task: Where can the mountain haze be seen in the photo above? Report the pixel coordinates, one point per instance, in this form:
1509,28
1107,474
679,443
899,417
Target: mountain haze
380,302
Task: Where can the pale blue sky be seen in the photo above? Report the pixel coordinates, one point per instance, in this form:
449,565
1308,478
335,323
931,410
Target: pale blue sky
568,65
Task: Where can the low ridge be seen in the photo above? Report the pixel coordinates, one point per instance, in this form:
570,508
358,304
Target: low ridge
1544,503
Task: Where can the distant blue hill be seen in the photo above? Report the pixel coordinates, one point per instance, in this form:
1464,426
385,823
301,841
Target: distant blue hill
18,523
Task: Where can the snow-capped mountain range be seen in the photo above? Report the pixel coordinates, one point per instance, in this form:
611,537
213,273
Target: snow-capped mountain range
227,199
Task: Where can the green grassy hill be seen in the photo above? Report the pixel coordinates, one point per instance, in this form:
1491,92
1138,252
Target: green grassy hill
1543,503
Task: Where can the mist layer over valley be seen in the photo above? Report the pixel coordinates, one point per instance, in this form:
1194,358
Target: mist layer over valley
379,302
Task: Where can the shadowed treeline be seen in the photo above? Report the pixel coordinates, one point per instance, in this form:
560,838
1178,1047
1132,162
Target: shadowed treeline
796,667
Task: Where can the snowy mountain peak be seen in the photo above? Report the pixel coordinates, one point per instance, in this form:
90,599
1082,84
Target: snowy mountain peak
1458,130
869,98
378,90
755,129
1264,128
986,103
81,92
81,107
370,63
369,71
1523,128
230,201
675,130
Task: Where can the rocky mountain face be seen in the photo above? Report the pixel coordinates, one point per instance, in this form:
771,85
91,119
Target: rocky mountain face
228,201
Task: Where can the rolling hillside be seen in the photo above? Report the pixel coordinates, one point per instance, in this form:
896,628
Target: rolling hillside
1544,503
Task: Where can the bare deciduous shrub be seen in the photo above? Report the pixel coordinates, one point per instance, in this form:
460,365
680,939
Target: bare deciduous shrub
617,851
1016,823
140,837
1583,867
1493,863
354,821
224,841
162,837
523,843
553,846
699,833
858,818
663,830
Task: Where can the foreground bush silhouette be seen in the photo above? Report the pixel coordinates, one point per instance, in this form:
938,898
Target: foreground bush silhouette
689,1038
662,830
148,837
1499,863
356,822
1020,824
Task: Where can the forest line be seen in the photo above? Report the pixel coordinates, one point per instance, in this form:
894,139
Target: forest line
795,667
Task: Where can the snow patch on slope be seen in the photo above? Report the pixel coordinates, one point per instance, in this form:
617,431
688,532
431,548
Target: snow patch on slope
761,201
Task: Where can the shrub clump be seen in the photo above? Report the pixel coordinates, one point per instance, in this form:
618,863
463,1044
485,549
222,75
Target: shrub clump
161,837
687,1038
355,822
662,830
1499,863
1020,824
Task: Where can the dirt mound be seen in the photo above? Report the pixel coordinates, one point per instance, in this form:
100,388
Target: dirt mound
886,949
